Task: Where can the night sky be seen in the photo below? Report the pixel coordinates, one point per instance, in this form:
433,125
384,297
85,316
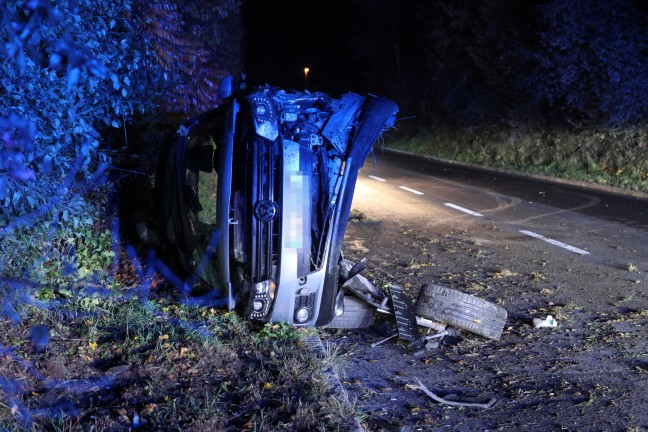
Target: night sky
282,38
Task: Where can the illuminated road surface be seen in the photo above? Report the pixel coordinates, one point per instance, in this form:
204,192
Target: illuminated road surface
553,217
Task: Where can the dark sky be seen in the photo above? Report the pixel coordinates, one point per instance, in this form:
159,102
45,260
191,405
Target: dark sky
284,37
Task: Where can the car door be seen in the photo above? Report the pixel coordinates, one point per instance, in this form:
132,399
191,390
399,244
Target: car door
191,174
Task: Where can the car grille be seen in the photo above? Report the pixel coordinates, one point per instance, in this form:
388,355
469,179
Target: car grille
265,224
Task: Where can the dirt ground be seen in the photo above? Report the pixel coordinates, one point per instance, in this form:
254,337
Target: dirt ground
149,360
590,373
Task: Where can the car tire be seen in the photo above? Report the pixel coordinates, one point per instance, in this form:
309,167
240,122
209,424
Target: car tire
461,310
357,314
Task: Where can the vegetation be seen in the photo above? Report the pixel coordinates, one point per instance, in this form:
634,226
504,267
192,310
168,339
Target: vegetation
562,63
93,339
123,361
611,157
558,87
79,79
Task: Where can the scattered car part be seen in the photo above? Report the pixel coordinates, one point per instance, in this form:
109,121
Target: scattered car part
548,322
382,341
431,324
458,403
449,331
361,287
432,341
404,314
408,324
461,310
357,314
357,268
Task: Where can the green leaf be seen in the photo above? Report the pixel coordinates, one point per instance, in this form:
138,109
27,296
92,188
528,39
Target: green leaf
72,78
15,199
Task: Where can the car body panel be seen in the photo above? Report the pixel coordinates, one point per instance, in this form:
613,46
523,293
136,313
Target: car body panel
287,164
224,194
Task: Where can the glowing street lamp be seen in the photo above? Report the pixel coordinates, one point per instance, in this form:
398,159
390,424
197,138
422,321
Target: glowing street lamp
306,70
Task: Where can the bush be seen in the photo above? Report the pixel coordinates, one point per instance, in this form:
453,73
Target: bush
612,157
75,72
68,73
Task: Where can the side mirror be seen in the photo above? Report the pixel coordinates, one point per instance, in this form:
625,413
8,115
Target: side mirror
227,87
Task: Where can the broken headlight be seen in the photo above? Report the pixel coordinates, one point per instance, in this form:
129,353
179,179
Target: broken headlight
261,298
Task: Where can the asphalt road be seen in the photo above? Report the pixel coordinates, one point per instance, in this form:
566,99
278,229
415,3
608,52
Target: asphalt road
627,207
571,218
533,246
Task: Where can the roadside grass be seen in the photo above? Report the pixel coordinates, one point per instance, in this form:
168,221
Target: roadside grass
93,339
611,157
357,216
144,357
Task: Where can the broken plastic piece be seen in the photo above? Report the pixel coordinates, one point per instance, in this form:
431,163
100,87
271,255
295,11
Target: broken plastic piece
460,403
375,344
548,322
405,319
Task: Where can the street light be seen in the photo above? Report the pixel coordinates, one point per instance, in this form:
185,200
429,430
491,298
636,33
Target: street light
306,70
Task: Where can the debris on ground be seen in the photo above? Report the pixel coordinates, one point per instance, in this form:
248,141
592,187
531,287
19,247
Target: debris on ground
455,402
548,322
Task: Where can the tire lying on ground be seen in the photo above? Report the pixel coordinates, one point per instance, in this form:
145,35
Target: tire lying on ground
460,310
357,314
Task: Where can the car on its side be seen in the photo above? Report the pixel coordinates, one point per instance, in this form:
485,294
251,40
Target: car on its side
254,199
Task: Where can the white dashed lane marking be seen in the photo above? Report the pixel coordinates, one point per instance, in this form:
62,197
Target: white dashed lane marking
555,242
414,191
465,210
474,213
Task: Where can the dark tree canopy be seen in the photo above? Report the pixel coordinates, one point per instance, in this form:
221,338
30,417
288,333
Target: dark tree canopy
569,62
78,73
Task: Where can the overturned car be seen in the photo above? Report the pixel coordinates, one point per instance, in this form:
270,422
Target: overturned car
254,198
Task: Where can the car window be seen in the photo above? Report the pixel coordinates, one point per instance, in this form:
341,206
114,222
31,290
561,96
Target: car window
200,196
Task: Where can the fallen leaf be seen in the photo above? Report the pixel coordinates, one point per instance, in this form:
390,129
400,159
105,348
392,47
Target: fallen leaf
118,369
